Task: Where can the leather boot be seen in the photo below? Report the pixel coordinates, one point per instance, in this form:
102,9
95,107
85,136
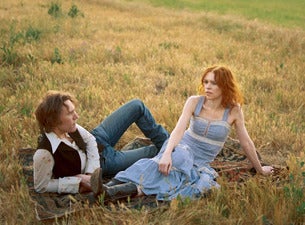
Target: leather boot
96,181
113,182
120,191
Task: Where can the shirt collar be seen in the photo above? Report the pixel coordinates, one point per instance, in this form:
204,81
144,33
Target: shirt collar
54,140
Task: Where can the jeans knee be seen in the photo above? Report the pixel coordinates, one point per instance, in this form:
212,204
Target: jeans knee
137,104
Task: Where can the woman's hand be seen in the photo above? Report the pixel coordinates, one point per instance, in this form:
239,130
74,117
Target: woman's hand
267,170
84,185
165,164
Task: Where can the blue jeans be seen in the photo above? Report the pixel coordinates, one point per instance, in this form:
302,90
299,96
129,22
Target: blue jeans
113,127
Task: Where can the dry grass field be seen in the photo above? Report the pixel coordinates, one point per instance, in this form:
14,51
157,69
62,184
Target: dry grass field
107,52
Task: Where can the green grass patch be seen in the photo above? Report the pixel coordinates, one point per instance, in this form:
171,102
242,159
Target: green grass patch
278,12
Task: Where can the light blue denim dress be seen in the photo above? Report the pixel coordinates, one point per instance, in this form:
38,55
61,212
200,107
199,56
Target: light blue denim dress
191,173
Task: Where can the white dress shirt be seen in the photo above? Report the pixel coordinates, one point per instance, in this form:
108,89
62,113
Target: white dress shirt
44,163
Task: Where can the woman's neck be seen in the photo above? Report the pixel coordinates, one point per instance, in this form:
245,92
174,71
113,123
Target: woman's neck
213,105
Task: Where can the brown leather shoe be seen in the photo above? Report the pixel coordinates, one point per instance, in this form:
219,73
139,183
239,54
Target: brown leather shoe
96,181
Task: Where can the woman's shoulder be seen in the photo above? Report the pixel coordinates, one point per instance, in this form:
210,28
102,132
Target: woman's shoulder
236,109
195,98
236,113
191,103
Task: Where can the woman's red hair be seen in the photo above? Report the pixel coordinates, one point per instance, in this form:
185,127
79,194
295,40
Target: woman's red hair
231,94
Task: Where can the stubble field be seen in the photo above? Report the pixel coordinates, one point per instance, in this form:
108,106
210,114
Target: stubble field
108,52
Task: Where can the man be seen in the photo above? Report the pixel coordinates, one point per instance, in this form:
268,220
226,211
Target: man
67,154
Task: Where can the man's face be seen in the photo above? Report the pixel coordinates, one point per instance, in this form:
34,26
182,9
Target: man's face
68,117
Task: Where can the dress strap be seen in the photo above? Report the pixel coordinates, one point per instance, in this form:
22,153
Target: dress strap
226,114
199,106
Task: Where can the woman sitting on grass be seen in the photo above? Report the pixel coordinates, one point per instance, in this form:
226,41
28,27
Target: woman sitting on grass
183,165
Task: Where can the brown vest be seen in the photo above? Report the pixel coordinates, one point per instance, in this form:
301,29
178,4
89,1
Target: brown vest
67,160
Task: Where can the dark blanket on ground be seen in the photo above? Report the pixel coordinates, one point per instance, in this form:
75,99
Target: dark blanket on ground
231,164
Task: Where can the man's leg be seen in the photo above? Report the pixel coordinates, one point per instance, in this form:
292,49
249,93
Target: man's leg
115,161
134,111
113,127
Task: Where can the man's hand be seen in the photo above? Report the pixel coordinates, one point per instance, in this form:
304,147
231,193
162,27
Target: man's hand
84,185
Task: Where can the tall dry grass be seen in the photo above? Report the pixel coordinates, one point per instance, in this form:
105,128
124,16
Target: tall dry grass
113,51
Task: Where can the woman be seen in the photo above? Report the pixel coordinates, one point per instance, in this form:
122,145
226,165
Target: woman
67,154
183,165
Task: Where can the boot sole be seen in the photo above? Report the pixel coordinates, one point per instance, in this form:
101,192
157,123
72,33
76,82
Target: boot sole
96,181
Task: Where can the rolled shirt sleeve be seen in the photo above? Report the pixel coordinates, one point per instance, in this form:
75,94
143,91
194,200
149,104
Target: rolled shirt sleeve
68,184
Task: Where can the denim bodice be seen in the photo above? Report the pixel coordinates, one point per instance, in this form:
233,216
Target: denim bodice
206,138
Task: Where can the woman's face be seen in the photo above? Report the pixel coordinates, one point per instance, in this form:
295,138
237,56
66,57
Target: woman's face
212,90
68,118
